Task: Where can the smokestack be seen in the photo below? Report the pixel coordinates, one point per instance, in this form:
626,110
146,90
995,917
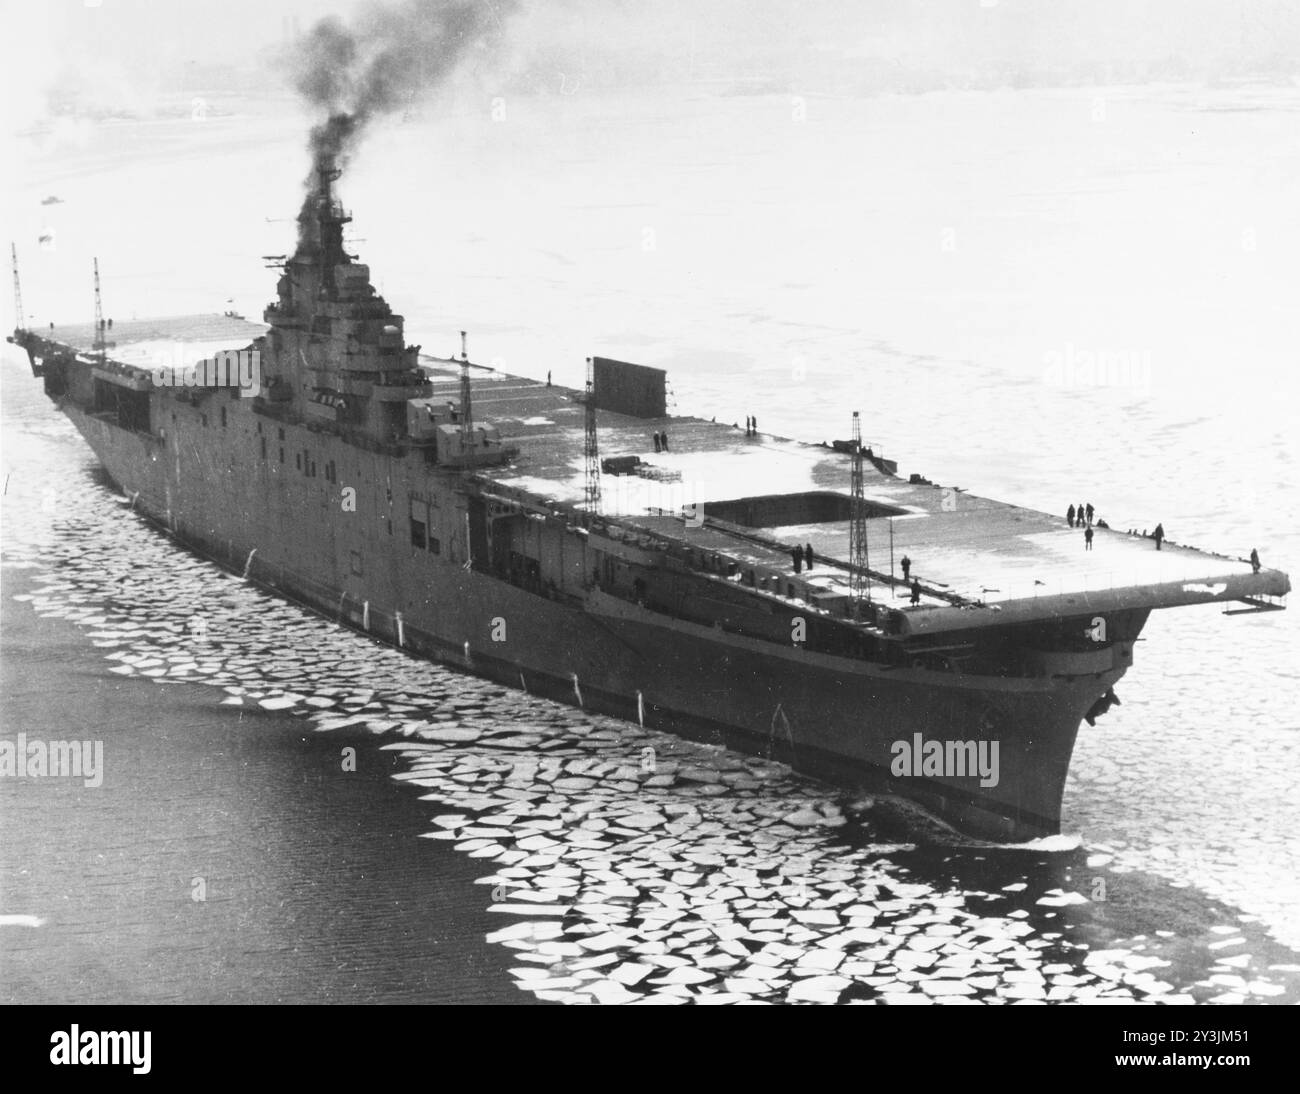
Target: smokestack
353,74
464,347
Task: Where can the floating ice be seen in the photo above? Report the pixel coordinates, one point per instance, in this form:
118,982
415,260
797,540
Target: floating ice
21,921
700,877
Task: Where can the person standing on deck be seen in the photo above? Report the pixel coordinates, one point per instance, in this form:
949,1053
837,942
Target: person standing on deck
796,556
807,556
1159,535
907,568
1254,560
1090,512
1087,538
916,592
1069,515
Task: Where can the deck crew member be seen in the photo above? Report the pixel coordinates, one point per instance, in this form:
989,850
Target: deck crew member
808,556
916,592
907,567
1069,515
1254,560
1087,538
796,556
1159,535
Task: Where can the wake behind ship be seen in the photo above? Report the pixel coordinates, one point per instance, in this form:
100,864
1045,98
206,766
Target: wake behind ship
590,547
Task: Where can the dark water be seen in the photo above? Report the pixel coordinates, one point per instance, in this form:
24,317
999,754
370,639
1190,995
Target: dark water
315,887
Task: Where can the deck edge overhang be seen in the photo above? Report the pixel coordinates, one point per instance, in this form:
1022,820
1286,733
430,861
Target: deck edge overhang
1209,589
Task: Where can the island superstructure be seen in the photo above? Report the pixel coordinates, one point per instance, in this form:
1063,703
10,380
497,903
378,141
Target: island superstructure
591,547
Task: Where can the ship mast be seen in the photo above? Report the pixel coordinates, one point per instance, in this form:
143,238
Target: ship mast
859,574
591,447
330,218
18,291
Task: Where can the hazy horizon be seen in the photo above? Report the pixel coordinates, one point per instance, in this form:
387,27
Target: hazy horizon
106,57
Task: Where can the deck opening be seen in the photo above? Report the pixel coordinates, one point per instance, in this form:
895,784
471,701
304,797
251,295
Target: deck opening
782,510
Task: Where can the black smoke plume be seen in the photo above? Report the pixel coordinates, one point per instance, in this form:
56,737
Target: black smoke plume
380,64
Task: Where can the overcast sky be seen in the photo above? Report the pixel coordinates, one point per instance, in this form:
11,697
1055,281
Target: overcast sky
135,49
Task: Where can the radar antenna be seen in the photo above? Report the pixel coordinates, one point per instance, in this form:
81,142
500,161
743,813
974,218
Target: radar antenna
859,574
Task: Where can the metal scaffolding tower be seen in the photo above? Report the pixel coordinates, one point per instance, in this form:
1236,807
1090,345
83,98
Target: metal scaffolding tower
101,342
466,407
859,574
18,290
591,448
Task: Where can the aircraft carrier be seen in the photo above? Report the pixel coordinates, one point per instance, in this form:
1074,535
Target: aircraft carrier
592,547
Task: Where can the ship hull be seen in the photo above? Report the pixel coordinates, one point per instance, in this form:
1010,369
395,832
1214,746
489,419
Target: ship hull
859,725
